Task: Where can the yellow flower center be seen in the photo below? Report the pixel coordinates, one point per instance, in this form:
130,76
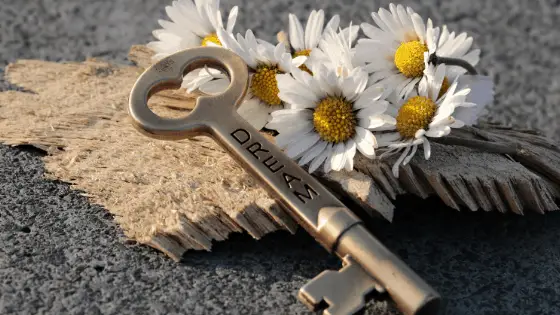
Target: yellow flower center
444,87
409,58
305,52
264,84
212,38
334,119
415,114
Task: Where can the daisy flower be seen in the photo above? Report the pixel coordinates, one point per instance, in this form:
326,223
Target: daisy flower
328,117
193,24
395,49
405,45
302,43
265,62
426,114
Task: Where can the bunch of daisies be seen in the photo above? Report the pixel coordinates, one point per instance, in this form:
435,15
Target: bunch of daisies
330,94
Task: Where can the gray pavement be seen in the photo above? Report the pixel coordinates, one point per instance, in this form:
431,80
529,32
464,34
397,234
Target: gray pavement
61,255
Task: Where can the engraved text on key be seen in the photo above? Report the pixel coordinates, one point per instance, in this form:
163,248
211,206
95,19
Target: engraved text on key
243,137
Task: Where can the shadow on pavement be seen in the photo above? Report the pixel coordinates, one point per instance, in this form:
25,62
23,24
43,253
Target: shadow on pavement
484,261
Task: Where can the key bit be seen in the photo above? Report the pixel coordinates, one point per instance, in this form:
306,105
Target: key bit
339,292
313,206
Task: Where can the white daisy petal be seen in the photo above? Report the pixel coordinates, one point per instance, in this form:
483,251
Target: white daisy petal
385,139
333,23
338,157
289,112
350,154
292,87
195,83
377,121
390,22
436,132
365,101
349,88
482,95
437,81
316,163
298,61
293,121
215,87
299,147
427,149
376,108
432,35
232,19
255,112
410,156
279,51
313,153
309,28
284,62
457,124
286,137
397,164
443,121
419,27
297,37
419,134
365,142
388,127
444,36
327,167
296,101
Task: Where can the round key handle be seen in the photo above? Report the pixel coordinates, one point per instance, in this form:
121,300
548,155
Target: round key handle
168,73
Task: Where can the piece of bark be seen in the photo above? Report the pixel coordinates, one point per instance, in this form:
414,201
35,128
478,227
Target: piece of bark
173,196
176,196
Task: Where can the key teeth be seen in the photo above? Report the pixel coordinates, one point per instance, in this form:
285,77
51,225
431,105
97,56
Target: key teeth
339,292
312,294
310,302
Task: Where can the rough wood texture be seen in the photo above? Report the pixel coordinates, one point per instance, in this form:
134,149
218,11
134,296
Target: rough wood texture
173,196
176,196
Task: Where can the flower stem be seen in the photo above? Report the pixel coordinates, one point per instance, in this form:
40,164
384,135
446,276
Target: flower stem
437,60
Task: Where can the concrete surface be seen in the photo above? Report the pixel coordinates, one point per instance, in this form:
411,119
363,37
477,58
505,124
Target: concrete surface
61,255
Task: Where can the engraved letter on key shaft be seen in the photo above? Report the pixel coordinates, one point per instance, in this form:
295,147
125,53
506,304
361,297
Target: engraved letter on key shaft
243,133
305,191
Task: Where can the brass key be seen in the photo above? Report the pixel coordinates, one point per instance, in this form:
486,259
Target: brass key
368,264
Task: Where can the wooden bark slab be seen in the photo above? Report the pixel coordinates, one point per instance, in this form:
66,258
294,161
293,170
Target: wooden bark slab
173,196
177,196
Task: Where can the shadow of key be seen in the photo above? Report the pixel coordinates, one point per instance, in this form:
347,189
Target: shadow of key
495,263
